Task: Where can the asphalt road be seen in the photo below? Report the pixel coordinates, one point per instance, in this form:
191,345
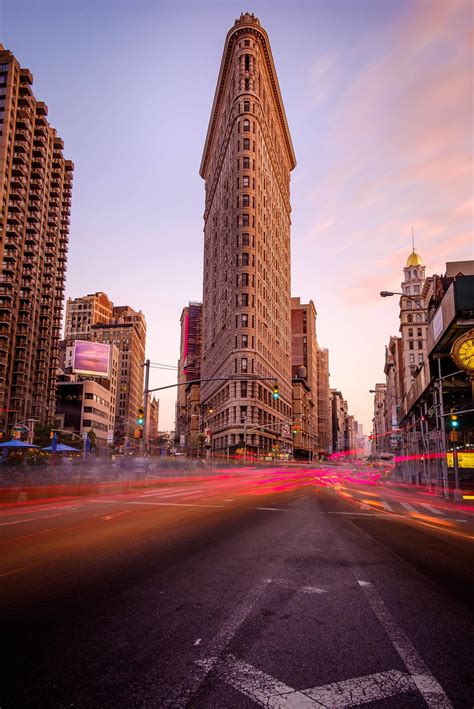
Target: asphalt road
304,588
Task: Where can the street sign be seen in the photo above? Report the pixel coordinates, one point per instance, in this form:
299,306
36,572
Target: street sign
285,430
110,437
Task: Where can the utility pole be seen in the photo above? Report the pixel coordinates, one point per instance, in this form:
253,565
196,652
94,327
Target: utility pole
144,439
245,437
444,464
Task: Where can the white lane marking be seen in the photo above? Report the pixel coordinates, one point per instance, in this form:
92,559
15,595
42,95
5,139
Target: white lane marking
270,692
30,519
363,506
295,587
198,642
408,507
231,500
272,509
361,690
429,687
433,510
460,520
363,583
258,686
164,493
387,506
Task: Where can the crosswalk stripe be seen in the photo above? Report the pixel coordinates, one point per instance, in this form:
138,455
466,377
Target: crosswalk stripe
408,507
387,506
431,509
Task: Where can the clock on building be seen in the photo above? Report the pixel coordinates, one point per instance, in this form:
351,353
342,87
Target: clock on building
462,351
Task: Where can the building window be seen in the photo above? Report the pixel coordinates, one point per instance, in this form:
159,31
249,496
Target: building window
420,344
245,219
245,320
420,358
245,279
410,332
246,181
245,299
244,364
246,144
412,359
418,331
410,317
410,344
245,200
246,84
243,390
245,259
246,163
247,62
245,340
247,106
245,239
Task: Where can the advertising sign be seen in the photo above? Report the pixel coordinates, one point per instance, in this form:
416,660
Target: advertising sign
91,358
465,460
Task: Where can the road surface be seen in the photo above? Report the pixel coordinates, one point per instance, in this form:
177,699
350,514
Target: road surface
299,588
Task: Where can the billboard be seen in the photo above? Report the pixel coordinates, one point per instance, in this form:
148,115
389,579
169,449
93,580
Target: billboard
91,358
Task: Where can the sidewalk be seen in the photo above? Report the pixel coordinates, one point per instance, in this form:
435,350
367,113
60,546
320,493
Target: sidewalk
421,492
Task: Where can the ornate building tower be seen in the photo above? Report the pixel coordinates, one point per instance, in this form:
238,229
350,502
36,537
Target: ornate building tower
246,163
412,319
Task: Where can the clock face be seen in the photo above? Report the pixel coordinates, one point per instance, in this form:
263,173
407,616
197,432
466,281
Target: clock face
465,353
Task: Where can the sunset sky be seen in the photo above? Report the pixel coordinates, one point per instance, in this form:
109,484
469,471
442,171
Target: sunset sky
378,97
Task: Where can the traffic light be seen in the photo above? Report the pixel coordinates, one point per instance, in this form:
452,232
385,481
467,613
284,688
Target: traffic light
276,395
51,434
454,421
141,416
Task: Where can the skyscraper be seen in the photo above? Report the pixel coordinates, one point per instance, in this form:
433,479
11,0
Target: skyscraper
246,164
35,188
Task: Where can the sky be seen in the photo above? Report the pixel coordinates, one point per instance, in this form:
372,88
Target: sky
379,100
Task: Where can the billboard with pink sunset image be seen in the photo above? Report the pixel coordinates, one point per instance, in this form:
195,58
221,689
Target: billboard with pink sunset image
91,358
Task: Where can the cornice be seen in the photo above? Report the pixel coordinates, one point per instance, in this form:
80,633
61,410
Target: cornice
231,39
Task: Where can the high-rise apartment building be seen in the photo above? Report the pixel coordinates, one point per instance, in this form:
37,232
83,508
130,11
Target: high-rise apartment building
35,189
246,164
324,410
189,369
82,313
94,317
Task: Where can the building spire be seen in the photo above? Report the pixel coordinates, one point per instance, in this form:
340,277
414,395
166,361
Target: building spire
413,239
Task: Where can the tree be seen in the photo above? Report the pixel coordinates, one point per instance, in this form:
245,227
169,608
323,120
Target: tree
201,438
92,438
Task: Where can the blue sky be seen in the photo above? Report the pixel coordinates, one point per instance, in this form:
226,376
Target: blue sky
379,104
